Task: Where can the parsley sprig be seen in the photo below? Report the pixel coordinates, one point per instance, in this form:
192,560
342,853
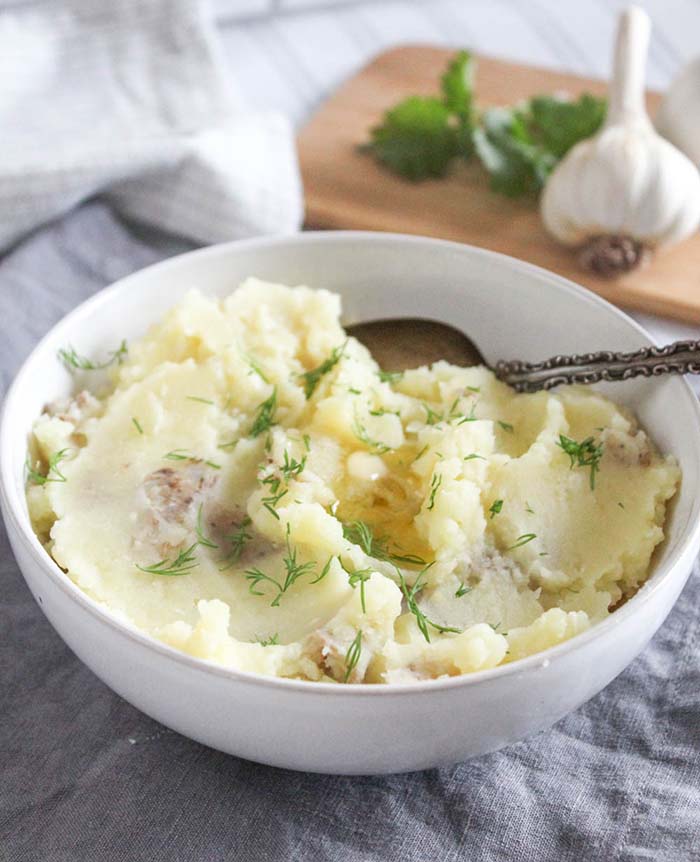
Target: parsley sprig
518,146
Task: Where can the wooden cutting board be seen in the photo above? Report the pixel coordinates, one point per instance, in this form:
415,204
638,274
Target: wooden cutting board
347,189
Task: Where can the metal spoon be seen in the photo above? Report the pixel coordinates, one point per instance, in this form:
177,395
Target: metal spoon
398,344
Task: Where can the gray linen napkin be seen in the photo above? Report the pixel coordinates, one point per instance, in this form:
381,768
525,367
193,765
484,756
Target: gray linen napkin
128,98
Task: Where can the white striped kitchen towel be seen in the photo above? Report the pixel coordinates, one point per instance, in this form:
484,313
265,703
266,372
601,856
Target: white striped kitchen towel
129,99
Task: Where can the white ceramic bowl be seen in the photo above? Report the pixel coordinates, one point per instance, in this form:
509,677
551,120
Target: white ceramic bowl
513,310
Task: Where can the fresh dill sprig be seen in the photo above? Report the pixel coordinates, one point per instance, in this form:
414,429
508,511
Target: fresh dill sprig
255,367
506,426
587,453
357,576
410,594
291,468
37,478
201,538
273,640
238,540
313,378
324,571
272,500
375,446
389,376
473,456
435,483
528,508
496,507
352,656
293,571
420,454
74,361
181,565
360,533
432,417
200,399
184,455
462,590
522,540
266,415
137,424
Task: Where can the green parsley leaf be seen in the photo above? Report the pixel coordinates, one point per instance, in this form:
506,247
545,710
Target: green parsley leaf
416,138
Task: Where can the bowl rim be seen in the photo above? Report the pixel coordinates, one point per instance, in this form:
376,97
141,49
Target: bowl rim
11,501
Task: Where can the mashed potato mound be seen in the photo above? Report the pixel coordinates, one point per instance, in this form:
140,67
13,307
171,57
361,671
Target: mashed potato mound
251,489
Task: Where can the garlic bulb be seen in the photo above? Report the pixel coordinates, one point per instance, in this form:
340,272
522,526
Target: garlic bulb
678,118
626,189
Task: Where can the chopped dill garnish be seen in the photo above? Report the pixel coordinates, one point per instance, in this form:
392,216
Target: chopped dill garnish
496,507
307,442
360,533
587,453
137,424
420,454
181,565
266,415
352,656
382,411
201,538
255,368
474,388
522,540
506,426
229,445
353,391
324,571
528,508
313,378
620,505
201,400
273,640
473,456
273,500
435,483
291,467
389,376
37,478
422,620
432,417
293,571
358,576
75,362
184,455
238,539
376,446
462,590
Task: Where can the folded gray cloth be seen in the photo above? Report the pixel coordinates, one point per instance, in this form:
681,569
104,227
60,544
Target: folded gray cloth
128,98
84,776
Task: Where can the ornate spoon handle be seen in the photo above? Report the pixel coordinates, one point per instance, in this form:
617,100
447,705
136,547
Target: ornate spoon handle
680,357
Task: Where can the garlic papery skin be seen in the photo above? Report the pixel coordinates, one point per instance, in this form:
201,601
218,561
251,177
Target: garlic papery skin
678,117
626,189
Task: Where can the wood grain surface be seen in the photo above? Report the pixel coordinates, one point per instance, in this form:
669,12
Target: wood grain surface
345,188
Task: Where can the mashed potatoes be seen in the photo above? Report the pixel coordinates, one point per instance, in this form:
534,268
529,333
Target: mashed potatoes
253,490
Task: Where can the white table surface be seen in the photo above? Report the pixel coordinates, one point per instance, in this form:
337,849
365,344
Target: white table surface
291,54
